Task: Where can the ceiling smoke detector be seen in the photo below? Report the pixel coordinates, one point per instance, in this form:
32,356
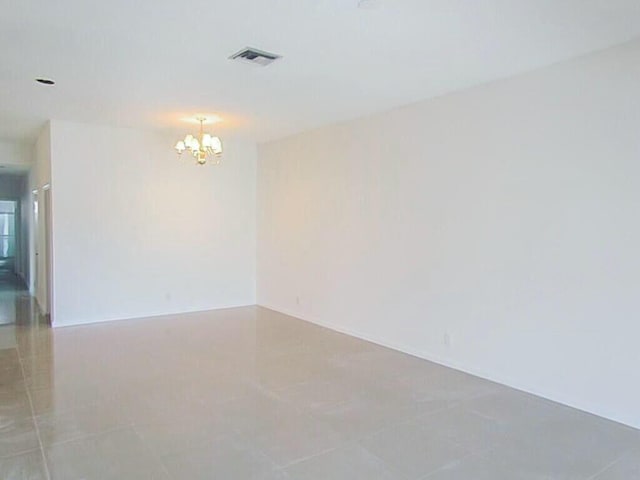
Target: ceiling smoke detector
255,56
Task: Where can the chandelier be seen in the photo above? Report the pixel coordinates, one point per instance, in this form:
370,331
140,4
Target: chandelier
203,147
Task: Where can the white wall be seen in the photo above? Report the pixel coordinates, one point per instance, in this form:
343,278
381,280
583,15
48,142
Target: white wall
39,177
505,216
15,154
137,232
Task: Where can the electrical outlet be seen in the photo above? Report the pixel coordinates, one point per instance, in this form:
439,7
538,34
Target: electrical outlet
297,300
447,340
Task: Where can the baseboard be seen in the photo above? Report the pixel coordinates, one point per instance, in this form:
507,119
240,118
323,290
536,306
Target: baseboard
516,384
151,316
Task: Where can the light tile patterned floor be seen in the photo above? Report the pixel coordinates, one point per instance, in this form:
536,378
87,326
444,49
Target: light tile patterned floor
248,393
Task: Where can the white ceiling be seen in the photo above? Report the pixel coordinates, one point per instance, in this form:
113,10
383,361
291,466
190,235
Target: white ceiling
150,63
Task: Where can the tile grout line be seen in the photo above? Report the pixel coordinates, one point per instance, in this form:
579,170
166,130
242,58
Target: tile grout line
156,456
448,464
90,436
33,416
19,453
608,466
303,459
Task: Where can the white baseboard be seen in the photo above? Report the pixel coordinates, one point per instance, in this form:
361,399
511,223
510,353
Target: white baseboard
150,316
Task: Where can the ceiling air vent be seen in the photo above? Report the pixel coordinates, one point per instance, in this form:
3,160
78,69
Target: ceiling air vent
255,56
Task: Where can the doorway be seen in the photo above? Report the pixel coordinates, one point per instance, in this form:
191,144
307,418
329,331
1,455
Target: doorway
11,285
8,211
42,248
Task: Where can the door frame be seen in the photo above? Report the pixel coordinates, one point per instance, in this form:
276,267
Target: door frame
48,259
36,244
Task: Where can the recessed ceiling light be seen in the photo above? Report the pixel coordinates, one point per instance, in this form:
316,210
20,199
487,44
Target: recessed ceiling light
45,81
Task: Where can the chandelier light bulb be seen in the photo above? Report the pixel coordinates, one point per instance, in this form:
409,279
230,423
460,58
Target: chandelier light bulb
216,146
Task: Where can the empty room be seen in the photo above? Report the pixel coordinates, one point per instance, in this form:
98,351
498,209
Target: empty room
320,240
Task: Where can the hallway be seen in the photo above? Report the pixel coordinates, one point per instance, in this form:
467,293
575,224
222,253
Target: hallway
19,316
14,298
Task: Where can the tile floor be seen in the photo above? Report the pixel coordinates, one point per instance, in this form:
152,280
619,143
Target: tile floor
248,393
